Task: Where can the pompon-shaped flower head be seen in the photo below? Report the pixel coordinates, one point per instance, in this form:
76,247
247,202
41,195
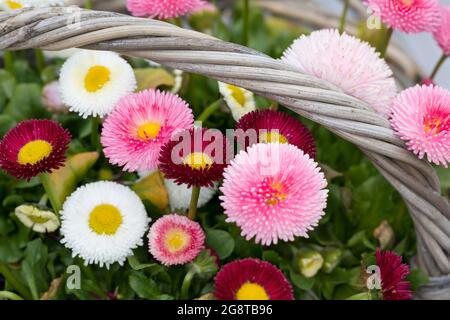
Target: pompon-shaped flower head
274,192
239,100
393,272
251,279
9,5
163,9
33,147
347,62
102,222
411,16
175,239
196,157
92,82
267,126
442,32
140,125
421,117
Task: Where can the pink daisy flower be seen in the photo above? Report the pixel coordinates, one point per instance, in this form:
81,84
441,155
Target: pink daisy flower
163,9
140,125
347,62
251,279
175,239
393,274
421,117
442,32
411,16
274,192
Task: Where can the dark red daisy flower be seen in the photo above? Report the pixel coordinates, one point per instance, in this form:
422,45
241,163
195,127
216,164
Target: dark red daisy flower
393,274
33,147
251,279
276,126
196,157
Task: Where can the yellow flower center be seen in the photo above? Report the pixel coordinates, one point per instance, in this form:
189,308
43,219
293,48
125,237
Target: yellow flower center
407,2
238,94
277,194
176,240
148,130
251,291
272,136
38,219
197,160
105,219
14,5
96,78
33,152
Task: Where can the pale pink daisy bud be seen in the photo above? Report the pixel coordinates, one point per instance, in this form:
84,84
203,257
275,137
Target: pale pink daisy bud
348,63
163,9
421,117
411,16
51,98
442,32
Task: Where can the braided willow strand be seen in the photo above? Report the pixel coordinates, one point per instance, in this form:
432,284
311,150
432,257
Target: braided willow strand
60,28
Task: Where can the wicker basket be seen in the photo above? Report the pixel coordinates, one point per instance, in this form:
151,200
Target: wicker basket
62,28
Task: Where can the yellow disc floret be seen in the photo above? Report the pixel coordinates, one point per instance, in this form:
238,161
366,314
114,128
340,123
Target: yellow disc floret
14,5
238,94
176,240
105,219
96,78
197,160
271,136
34,151
148,130
251,291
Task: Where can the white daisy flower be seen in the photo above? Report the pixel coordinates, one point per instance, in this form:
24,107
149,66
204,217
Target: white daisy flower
37,219
93,82
239,100
9,5
102,222
180,195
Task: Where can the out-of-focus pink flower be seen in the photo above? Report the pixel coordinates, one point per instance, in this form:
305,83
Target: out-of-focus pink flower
164,9
421,117
411,16
428,82
442,32
51,98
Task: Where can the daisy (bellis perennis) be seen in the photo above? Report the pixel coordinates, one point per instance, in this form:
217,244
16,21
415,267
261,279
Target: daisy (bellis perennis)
421,117
274,192
37,219
196,157
102,222
410,16
393,272
9,5
93,82
33,147
276,126
348,63
140,125
442,33
251,279
175,239
163,9
239,100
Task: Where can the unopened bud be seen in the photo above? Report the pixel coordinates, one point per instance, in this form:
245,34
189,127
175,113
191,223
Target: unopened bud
309,263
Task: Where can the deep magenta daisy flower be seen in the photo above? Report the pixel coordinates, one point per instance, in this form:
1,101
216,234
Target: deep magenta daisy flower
421,117
411,16
276,126
163,9
140,125
175,239
33,147
274,192
393,274
251,279
196,157
442,32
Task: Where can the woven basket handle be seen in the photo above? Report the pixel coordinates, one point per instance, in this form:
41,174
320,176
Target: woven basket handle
60,28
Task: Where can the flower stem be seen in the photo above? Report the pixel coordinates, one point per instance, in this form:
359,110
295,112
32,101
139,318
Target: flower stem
9,295
186,285
246,17
40,59
8,61
95,136
209,110
344,16
194,200
383,49
47,184
12,280
438,66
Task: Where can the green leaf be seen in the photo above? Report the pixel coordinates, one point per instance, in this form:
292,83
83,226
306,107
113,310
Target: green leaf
34,267
417,278
301,282
144,287
26,102
136,265
221,241
152,188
